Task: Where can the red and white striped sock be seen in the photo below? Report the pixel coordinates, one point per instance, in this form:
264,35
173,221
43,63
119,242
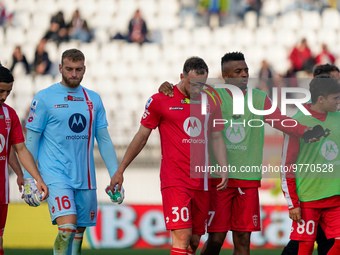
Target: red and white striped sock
176,251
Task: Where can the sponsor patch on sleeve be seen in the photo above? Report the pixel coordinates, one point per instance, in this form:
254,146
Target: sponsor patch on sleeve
148,103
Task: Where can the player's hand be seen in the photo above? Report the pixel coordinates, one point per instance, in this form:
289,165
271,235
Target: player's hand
223,184
167,89
295,214
116,181
31,194
314,139
43,189
224,180
20,182
116,196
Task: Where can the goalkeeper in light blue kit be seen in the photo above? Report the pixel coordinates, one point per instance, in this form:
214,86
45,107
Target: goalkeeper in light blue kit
63,121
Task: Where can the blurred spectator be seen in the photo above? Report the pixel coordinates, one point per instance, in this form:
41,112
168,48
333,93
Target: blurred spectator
265,71
137,30
206,8
266,78
20,65
58,30
5,17
325,56
42,63
301,58
78,28
188,7
252,5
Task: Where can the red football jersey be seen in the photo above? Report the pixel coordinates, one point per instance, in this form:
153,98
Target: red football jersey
10,133
184,134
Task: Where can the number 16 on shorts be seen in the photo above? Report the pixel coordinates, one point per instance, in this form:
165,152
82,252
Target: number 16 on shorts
61,201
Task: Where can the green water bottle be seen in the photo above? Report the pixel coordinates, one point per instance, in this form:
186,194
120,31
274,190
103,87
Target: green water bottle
116,197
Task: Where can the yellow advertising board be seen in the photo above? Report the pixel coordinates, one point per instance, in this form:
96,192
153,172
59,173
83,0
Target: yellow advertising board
29,227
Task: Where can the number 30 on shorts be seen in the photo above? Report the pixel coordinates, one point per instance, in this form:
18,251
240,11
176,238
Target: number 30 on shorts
64,202
309,227
182,214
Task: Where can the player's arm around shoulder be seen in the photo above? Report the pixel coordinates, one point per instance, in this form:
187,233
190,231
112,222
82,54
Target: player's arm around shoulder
166,88
27,160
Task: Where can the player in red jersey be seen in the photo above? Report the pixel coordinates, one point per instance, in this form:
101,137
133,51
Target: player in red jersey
11,136
324,244
184,135
312,192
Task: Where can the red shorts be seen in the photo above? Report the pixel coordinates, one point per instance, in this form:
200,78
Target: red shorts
235,209
185,208
328,218
3,217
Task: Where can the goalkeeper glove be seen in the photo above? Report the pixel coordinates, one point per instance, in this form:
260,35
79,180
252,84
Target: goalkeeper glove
31,193
117,197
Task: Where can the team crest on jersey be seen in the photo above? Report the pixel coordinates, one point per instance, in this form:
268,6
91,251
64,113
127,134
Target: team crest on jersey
255,220
8,123
92,214
89,104
147,105
30,119
2,117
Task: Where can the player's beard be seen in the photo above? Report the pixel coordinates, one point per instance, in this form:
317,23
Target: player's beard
72,83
